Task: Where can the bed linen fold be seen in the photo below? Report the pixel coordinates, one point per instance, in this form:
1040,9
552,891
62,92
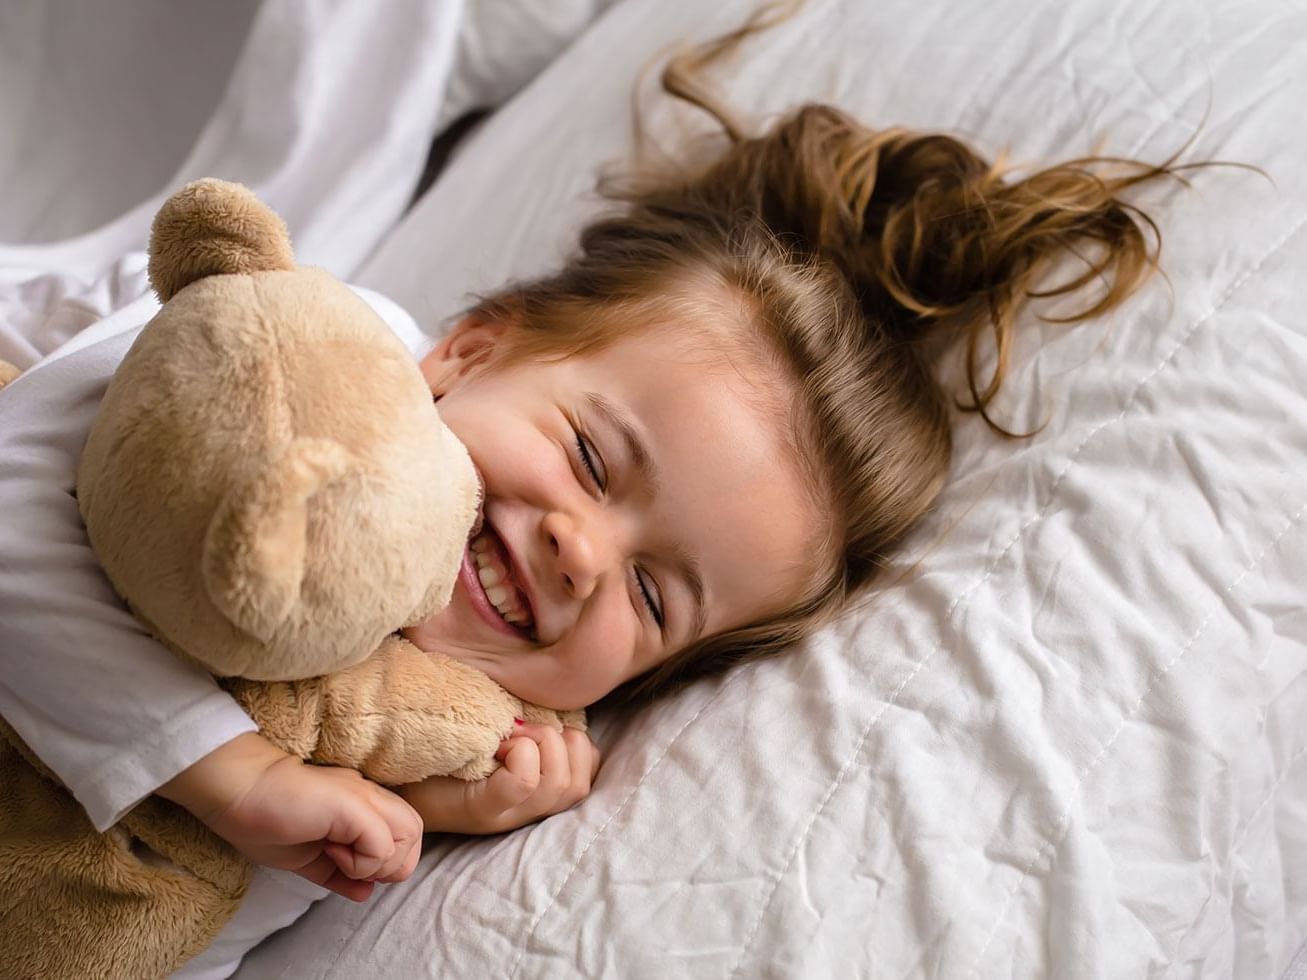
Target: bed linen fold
327,115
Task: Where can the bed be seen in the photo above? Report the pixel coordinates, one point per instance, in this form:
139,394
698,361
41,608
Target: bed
1068,736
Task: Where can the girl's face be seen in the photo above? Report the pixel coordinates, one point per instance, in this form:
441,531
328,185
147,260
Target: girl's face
635,500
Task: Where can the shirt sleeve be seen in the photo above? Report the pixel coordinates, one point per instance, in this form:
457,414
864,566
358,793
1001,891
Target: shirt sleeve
397,318
108,708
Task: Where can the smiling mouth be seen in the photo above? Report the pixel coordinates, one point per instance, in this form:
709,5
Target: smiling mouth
488,571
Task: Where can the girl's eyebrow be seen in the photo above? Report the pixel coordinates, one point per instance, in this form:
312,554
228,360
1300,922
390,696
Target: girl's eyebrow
617,420
686,564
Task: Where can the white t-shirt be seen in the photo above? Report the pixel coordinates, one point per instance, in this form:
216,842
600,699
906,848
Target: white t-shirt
107,707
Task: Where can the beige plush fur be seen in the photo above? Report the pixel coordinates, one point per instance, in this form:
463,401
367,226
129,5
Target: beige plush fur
269,486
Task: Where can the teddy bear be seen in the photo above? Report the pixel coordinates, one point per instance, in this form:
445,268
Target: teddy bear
270,488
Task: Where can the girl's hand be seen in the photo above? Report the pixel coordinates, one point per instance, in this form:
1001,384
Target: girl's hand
544,772
328,825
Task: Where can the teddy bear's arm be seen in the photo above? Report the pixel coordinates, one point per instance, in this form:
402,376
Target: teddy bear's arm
398,717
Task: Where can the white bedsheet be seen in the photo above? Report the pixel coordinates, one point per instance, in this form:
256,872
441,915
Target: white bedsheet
1072,743
326,110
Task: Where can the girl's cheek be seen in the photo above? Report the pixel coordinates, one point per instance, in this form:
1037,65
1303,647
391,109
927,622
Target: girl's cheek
532,469
611,639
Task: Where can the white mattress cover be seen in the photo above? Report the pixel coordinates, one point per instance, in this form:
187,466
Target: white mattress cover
1069,740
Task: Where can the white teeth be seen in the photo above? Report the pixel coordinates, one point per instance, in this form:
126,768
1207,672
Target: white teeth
505,600
494,580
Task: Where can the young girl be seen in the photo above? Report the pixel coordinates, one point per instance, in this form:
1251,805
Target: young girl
698,441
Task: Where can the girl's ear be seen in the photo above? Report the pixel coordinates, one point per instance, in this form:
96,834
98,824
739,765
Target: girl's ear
467,346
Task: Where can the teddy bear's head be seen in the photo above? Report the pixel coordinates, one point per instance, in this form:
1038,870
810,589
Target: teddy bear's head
268,483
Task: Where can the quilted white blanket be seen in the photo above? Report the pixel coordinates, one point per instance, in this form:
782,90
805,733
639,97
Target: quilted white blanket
1070,738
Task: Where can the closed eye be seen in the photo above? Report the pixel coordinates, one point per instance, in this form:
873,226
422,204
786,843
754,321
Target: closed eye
592,461
647,594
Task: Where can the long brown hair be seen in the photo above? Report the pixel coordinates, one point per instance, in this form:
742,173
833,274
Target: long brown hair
853,250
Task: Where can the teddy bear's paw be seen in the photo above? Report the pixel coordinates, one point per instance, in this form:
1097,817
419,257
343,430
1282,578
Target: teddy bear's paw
214,227
7,373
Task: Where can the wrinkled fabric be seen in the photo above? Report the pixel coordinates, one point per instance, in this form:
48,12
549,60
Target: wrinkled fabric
326,111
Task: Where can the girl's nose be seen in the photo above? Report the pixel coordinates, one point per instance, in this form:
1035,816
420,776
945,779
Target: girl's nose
578,552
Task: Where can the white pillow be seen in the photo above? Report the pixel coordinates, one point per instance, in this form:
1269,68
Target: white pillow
503,44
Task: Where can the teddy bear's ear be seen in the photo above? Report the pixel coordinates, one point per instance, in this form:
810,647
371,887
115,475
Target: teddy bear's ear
211,227
254,550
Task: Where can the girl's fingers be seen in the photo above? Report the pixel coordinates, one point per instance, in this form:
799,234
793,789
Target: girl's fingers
366,837
406,831
583,751
405,869
584,763
353,864
325,870
544,772
333,853
513,784
536,733
555,769
391,867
